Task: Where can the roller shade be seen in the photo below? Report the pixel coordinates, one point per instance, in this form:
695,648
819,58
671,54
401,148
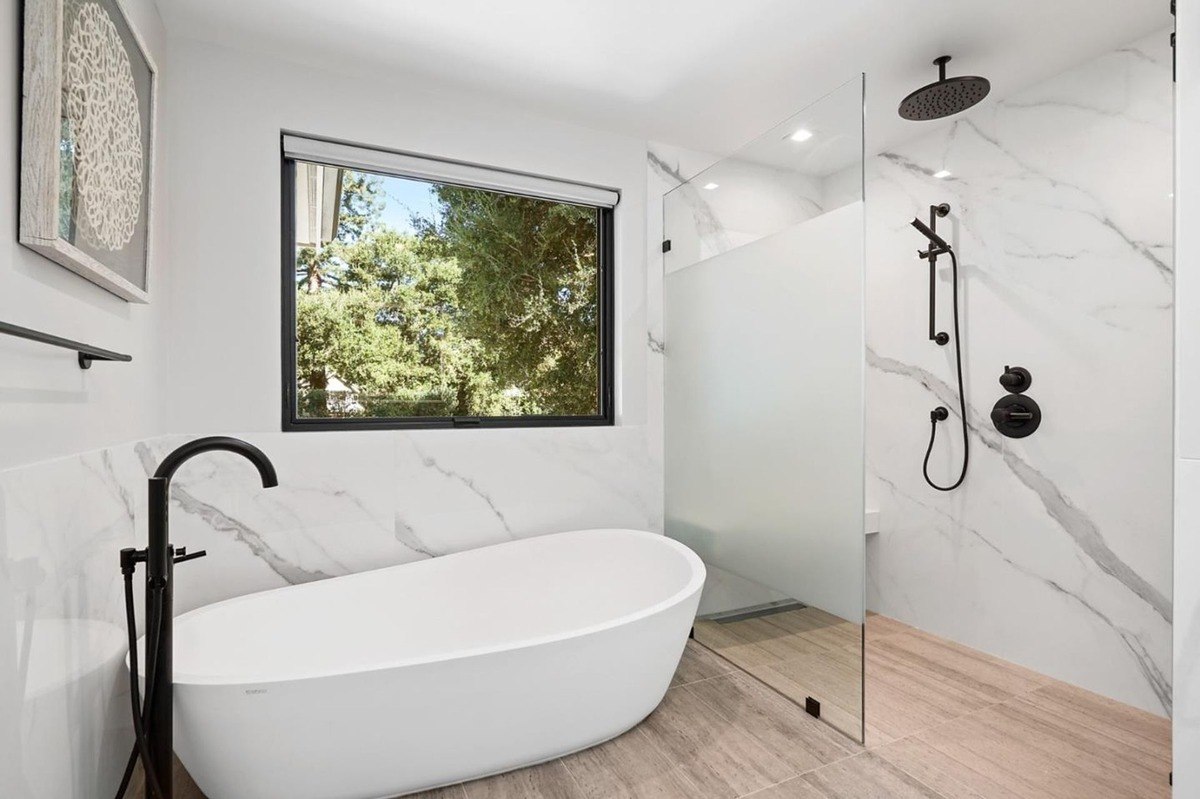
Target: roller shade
421,168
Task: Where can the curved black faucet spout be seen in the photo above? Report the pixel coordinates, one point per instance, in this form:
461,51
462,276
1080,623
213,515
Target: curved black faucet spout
166,469
161,558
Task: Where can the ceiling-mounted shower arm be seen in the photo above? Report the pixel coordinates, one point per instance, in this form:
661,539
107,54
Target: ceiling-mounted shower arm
941,62
937,246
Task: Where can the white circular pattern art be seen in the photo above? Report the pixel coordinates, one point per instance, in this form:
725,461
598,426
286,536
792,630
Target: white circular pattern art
101,104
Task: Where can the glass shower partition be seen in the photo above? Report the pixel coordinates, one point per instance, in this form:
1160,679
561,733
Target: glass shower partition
764,361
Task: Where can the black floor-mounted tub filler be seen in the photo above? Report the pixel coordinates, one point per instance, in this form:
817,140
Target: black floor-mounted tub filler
153,719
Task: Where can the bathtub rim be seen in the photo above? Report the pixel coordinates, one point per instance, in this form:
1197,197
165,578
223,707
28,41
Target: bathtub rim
695,583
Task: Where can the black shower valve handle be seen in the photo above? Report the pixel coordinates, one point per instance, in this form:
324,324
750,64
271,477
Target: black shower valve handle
1002,416
1016,379
182,555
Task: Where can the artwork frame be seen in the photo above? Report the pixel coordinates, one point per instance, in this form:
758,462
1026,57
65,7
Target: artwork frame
80,213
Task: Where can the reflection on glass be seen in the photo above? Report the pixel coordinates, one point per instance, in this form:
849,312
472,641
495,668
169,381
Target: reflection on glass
764,402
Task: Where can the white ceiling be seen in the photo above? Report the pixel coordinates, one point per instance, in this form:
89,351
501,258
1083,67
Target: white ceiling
707,74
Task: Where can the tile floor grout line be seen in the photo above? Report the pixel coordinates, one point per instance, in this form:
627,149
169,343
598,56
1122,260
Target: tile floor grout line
702,679
718,711
926,743
936,735
1087,723
986,758
944,722
1015,697
772,689
776,691
1097,730
800,774
950,756
648,741
1050,728
937,794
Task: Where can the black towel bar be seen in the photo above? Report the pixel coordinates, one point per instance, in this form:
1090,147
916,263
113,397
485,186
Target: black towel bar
86,352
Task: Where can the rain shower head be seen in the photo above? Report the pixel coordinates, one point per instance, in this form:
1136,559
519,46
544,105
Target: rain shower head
945,96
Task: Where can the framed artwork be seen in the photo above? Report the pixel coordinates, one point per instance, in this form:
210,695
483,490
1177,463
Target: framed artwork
87,143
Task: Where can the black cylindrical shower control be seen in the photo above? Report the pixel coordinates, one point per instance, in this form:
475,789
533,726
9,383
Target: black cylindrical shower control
1016,379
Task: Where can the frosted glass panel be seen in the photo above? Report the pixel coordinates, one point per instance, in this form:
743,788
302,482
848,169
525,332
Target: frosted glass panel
764,401
765,416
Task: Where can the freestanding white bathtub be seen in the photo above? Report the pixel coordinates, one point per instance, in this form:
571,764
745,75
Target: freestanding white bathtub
410,677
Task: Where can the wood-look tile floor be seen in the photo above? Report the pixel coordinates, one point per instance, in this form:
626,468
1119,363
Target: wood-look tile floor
947,722
800,652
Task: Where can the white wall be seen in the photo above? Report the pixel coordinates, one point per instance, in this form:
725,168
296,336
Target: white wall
363,499
63,710
48,406
1187,407
1056,551
224,243
207,360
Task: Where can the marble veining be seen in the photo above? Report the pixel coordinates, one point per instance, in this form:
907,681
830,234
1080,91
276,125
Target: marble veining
1153,673
1056,552
408,537
1072,519
469,484
345,503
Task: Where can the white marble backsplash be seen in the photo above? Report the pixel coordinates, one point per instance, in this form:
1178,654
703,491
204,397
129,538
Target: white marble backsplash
1056,552
346,502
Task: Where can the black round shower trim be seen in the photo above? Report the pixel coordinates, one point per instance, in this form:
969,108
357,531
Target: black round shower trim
1016,416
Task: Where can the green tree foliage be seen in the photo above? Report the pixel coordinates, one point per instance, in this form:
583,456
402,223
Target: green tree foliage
528,288
360,205
491,309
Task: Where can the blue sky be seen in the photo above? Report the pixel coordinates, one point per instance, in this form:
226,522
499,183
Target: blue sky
403,198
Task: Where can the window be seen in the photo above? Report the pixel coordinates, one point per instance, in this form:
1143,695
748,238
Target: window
425,293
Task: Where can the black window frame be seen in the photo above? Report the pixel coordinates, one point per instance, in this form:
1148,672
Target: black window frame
293,422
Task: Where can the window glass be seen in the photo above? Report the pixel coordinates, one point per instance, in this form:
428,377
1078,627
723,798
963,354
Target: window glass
422,303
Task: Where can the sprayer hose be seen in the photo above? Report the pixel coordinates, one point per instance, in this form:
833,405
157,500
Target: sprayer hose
962,398
140,746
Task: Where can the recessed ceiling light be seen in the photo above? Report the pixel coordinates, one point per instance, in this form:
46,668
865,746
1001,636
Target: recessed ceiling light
801,135
711,186
942,174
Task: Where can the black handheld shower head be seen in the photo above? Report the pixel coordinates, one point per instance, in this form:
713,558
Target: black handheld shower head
945,96
935,241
